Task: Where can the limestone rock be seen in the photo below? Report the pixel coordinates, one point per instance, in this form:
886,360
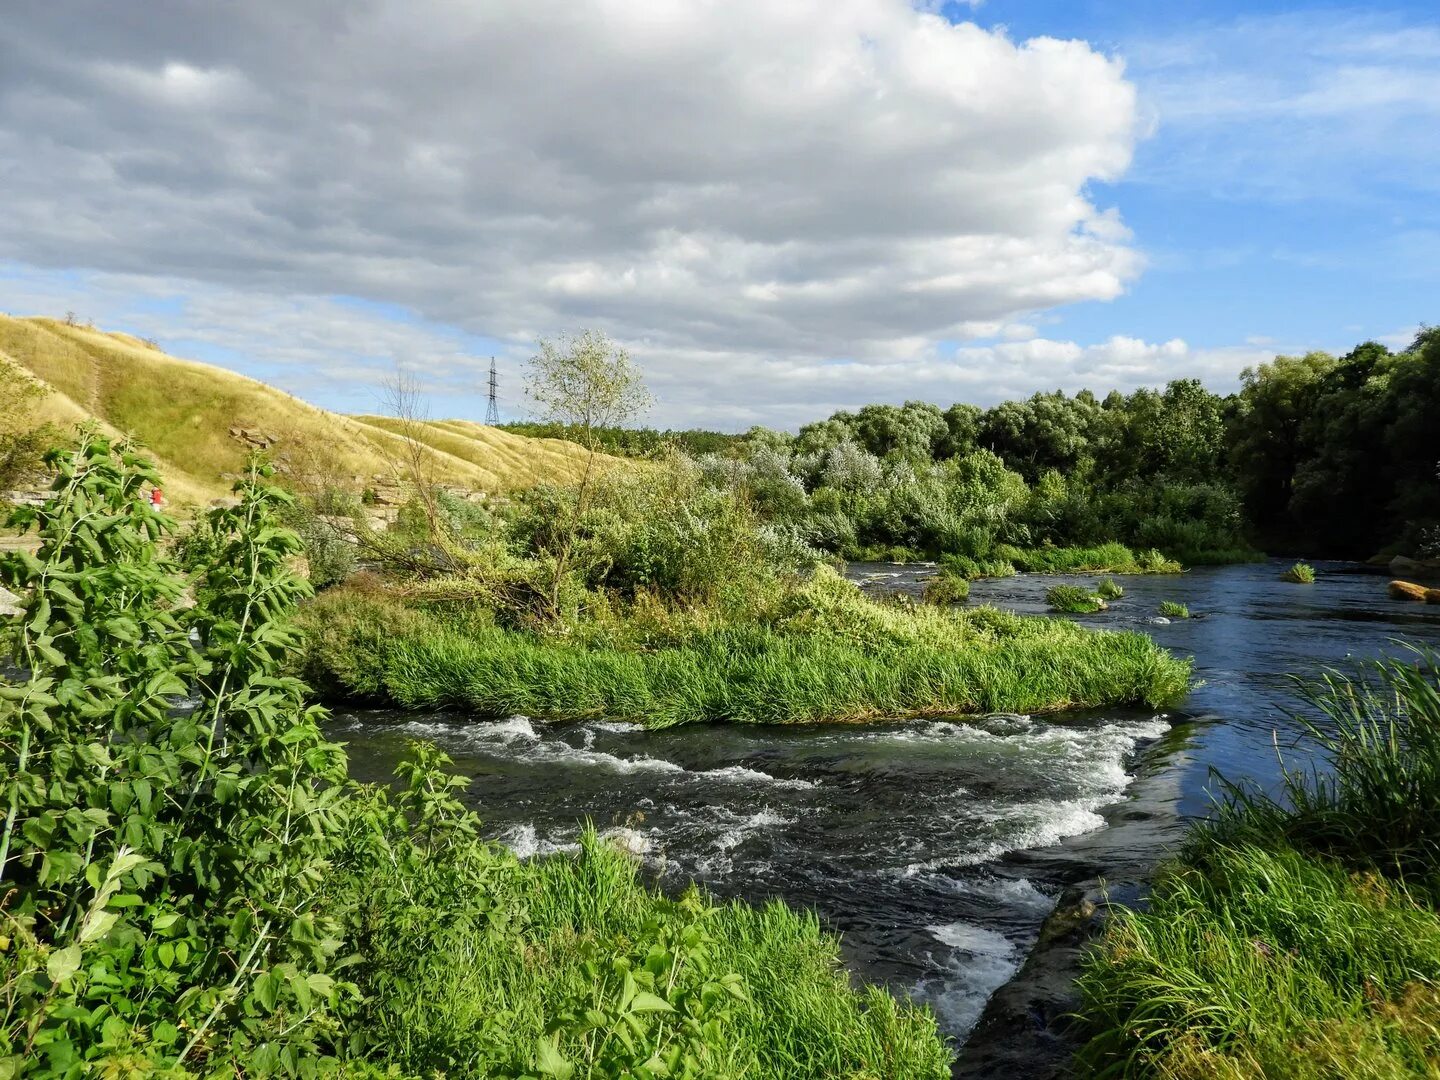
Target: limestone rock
1408,590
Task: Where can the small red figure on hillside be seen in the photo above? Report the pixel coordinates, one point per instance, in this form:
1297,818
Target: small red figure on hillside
156,498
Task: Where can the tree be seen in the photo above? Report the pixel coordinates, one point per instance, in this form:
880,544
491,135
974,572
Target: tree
585,382
400,396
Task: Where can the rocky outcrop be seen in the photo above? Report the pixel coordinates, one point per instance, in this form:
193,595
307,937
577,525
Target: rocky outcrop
253,437
1408,590
1027,1029
1404,567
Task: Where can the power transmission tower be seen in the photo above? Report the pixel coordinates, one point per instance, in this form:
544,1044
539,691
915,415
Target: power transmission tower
492,411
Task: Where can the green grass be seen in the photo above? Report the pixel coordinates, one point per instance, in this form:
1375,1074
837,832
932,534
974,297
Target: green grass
947,587
831,656
1298,935
1103,559
1300,574
487,955
1172,610
1073,600
1109,589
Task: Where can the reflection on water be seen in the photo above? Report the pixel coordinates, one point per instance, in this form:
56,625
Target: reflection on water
936,847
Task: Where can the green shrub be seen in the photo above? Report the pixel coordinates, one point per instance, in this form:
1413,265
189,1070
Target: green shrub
1172,610
1073,599
1300,574
946,587
1109,589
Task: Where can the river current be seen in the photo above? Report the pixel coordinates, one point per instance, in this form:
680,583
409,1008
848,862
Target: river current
935,847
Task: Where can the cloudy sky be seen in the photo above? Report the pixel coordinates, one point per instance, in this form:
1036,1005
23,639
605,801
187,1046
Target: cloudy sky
781,207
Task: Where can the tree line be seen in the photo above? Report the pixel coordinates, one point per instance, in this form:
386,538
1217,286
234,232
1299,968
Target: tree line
1317,454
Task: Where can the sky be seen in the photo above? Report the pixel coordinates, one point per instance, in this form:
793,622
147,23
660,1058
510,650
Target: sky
780,208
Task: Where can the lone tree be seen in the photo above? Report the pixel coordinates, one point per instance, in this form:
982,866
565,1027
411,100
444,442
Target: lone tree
587,383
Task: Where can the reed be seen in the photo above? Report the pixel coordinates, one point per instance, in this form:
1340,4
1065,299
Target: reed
1298,933
811,666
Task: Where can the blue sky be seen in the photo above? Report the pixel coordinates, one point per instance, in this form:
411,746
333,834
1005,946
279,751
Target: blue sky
780,208
1245,238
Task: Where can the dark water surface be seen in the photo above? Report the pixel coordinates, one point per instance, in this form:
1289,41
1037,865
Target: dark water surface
936,848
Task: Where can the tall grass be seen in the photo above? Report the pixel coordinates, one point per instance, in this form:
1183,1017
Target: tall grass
806,669
450,984
1073,600
1101,559
1298,934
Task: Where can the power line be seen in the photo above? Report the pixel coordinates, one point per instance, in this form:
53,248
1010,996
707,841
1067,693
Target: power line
492,411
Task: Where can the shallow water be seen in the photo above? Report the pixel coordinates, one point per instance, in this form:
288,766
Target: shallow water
935,847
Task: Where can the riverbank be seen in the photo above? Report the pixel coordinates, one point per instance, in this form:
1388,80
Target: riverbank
823,653
1297,935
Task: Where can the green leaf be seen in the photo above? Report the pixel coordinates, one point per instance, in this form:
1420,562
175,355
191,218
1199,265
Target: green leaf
549,1061
645,1001
63,963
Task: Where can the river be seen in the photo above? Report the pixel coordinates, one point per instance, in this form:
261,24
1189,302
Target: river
935,847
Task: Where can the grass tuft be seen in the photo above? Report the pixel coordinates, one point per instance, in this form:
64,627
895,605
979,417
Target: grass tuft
1172,610
1300,574
1073,600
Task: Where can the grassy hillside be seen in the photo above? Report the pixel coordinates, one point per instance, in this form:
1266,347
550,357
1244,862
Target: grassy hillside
183,411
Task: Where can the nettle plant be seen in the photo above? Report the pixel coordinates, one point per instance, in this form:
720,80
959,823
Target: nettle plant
160,869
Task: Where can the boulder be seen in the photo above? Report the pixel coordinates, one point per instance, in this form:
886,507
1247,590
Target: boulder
1406,567
1408,590
9,603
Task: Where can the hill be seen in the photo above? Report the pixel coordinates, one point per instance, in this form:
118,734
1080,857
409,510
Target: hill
200,421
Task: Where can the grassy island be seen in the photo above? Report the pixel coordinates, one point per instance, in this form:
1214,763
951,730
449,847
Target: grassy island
819,651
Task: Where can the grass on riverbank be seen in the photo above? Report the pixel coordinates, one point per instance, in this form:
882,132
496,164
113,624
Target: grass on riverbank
1111,558
1297,936
589,968
824,653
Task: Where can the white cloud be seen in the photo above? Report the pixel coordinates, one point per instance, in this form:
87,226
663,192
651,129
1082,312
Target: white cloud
1317,104
814,179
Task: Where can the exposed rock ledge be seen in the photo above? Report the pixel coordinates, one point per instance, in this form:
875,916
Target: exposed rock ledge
1027,1028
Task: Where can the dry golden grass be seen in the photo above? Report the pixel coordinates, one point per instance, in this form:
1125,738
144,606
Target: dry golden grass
182,412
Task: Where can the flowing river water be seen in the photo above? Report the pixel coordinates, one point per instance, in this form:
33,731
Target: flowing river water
935,847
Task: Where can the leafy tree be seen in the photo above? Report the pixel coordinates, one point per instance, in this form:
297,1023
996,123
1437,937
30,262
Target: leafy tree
586,383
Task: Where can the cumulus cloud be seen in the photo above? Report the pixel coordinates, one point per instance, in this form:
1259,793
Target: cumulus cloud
786,183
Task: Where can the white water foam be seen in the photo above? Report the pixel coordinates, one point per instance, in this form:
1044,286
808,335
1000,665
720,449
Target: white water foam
527,843
983,961
743,774
1094,761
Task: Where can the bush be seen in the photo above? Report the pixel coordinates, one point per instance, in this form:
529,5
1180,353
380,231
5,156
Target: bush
1300,574
1171,610
1109,589
1073,599
946,587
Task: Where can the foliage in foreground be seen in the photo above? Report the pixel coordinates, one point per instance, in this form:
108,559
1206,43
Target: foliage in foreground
823,653
205,892
1298,936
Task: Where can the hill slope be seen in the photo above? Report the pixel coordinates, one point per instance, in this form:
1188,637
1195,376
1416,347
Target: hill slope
184,413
